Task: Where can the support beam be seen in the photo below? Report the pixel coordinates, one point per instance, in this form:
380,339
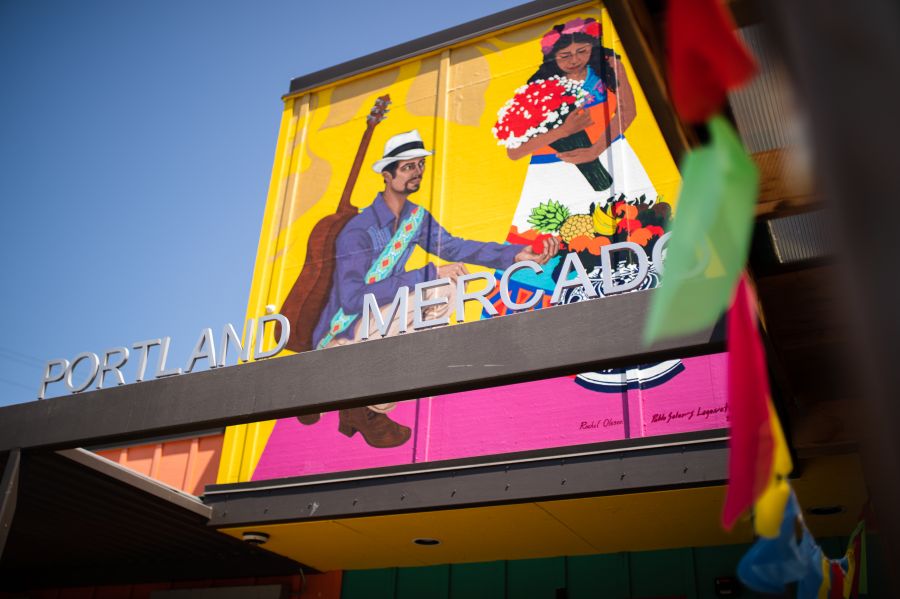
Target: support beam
679,461
579,337
9,491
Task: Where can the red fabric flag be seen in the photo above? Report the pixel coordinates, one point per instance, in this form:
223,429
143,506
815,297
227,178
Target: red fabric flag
756,438
837,580
706,59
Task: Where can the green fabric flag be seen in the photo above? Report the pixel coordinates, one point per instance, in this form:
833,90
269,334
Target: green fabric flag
710,236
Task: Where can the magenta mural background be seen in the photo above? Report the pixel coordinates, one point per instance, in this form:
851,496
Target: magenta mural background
543,414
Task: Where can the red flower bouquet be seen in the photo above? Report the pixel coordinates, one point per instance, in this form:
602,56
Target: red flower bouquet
543,105
536,108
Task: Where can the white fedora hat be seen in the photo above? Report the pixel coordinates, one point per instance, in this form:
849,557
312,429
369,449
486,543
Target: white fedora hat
403,146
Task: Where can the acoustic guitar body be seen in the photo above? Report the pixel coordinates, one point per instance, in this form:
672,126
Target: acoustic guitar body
309,295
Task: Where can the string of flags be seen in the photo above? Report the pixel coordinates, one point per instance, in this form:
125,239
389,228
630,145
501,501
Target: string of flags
792,556
719,180
759,464
759,461
704,265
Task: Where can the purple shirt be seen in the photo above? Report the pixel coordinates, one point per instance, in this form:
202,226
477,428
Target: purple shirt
362,240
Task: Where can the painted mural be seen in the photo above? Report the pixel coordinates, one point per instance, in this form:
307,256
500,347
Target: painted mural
529,144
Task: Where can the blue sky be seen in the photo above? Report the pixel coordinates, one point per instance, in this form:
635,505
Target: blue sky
136,144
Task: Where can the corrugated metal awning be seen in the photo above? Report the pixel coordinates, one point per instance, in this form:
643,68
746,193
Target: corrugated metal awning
83,520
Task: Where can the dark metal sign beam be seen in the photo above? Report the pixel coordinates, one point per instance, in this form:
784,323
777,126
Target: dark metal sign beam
552,342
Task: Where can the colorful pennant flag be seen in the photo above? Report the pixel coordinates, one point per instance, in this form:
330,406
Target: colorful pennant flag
706,59
710,236
793,556
770,564
758,460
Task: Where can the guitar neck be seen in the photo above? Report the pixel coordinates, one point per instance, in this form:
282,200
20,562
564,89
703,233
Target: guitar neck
345,204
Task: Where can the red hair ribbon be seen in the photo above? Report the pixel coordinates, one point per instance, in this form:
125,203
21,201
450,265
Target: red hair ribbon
586,26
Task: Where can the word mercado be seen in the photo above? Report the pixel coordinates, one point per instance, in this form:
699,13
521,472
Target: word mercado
572,277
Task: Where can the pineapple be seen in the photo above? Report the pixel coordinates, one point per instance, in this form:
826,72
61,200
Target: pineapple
548,217
576,225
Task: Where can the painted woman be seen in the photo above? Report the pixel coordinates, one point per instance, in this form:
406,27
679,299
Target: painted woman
574,50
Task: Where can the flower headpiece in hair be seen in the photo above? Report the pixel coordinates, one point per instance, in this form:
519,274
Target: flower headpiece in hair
586,26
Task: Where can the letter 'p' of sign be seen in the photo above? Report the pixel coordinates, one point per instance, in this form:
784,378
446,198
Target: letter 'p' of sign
49,376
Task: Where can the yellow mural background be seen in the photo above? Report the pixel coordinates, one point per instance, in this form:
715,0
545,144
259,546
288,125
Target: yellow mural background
470,186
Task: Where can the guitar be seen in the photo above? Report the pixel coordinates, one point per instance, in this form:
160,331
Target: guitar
308,297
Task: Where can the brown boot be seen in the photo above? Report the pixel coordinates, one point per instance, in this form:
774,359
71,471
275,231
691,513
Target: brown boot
377,429
308,419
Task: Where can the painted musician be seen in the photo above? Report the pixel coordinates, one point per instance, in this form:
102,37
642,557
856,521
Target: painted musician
371,255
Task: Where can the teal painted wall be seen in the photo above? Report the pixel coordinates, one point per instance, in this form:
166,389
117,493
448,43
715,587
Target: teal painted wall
686,572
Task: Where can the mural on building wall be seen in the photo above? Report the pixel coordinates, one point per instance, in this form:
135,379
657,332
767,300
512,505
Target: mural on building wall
530,144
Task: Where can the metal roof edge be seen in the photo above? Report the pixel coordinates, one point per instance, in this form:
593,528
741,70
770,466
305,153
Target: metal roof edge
431,42
135,479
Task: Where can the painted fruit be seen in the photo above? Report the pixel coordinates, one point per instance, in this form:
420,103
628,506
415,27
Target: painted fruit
575,225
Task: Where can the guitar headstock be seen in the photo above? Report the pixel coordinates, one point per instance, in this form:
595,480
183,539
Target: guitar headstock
380,110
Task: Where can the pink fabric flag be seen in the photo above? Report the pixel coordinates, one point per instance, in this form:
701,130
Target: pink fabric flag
758,460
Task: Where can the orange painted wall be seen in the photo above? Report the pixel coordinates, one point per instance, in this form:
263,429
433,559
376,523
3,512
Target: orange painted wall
186,464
